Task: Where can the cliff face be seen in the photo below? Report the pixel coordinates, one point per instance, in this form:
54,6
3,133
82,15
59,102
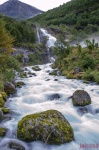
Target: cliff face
18,10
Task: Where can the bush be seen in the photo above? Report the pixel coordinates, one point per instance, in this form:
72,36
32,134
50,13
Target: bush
88,62
11,62
9,75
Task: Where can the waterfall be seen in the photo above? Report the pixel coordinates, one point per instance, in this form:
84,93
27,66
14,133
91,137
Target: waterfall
49,44
38,35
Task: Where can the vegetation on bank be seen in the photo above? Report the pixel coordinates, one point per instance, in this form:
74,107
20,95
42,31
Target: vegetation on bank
78,18
78,62
19,35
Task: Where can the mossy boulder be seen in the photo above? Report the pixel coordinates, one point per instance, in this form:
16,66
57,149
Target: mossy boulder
9,88
5,110
2,102
81,98
2,132
1,115
50,127
4,95
23,74
36,68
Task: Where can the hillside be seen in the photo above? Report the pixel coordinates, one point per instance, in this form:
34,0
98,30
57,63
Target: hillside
74,16
18,10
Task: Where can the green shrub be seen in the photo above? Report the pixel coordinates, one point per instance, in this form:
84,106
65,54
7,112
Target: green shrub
11,62
8,75
88,62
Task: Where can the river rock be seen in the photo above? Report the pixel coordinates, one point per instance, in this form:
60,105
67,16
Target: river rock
82,110
36,68
1,115
54,96
81,98
15,146
20,83
9,88
50,127
5,110
4,95
2,132
77,70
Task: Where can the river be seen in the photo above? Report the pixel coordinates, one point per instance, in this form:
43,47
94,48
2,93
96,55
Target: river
35,96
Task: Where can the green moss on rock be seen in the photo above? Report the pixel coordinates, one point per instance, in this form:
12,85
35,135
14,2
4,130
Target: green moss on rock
23,74
5,110
49,126
36,68
4,95
81,98
1,101
20,83
2,132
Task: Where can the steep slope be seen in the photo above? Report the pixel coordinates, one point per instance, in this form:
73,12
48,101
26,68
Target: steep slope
80,14
18,10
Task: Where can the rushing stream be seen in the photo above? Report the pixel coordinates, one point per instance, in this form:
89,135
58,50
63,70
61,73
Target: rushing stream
35,96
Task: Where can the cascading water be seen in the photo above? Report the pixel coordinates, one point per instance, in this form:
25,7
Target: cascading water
50,42
34,97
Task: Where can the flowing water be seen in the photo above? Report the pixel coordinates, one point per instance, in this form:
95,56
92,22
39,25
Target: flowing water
35,97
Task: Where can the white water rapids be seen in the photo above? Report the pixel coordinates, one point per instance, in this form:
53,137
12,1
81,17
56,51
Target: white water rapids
34,97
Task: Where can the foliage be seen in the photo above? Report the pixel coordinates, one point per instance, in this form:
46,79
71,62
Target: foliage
79,59
76,19
21,31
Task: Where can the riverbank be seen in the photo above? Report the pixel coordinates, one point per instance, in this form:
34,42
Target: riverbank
45,92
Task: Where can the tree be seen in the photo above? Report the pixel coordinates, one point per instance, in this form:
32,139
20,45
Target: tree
5,44
5,40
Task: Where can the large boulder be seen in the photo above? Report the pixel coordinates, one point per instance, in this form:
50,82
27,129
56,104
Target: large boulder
50,127
1,115
81,98
9,88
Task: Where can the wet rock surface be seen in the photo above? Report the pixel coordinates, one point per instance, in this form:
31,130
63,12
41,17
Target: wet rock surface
16,146
54,96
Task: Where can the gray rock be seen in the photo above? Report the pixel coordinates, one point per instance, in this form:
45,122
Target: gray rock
16,146
54,96
77,70
59,72
9,88
81,98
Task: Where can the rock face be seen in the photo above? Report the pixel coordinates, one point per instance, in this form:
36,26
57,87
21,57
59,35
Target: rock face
81,98
49,126
9,88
